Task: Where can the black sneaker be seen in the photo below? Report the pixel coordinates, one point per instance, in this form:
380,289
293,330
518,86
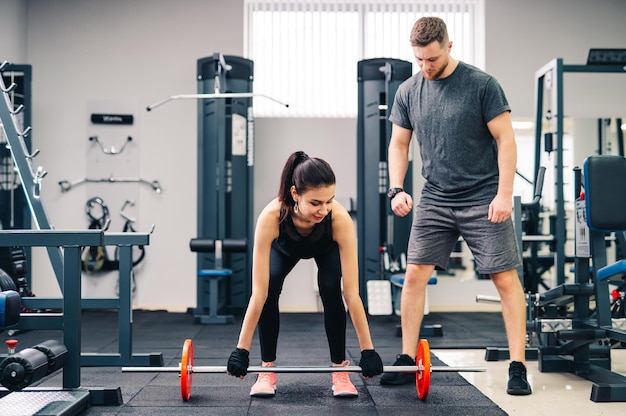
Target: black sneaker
518,385
396,379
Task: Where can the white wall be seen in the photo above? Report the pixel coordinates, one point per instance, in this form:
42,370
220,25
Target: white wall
13,26
137,52
523,36
331,139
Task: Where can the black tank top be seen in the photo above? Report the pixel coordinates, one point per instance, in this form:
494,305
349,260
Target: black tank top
291,243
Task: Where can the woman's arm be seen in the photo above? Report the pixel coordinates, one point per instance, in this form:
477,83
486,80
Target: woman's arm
266,231
345,236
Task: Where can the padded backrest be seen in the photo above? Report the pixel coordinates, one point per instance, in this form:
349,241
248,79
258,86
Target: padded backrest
605,192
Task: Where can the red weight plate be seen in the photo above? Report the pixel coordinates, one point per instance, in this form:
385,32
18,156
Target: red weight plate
186,370
422,377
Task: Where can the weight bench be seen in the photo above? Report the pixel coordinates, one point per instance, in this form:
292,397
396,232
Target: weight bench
397,282
208,301
604,205
583,345
613,272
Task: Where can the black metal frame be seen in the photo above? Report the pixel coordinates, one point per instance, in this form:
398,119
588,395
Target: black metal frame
32,179
377,226
550,77
225,179
581,343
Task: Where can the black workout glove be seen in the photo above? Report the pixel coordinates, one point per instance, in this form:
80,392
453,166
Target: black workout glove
370,363
238,362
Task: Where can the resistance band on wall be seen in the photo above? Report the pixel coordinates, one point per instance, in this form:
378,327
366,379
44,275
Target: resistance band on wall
128,228
96,258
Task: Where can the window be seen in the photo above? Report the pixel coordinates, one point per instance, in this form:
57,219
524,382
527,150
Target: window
305,53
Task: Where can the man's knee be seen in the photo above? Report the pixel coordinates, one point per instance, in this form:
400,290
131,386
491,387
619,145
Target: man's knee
418,275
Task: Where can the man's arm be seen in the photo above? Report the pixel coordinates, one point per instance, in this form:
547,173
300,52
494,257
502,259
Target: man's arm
398,163
501,128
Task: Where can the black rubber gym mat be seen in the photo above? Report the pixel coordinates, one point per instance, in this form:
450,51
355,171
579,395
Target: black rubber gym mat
302,342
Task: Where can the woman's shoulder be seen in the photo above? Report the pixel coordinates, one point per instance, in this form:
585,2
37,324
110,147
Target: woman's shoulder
271,210
339,213
268,220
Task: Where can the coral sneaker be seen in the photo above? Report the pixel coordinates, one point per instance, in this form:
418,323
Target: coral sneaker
342,386
265,385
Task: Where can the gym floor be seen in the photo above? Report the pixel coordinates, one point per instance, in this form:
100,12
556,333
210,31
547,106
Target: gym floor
302,342
553,393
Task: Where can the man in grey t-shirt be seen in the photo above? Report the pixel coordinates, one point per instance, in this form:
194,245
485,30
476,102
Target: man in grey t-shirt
461,120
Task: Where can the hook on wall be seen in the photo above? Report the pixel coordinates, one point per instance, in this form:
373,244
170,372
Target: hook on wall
112,150
9,88
18,110
123,211
39,175
26,132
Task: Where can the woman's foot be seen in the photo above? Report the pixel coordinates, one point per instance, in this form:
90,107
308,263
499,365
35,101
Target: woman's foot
342,386
265,385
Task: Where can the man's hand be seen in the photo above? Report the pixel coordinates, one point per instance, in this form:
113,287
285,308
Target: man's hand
500,209
402,204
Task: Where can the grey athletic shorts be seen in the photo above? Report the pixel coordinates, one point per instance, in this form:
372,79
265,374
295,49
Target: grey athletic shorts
436,230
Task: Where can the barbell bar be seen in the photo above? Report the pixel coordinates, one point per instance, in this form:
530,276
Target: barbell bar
422,369
302,370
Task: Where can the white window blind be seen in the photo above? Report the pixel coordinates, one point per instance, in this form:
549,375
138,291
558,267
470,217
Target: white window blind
305,53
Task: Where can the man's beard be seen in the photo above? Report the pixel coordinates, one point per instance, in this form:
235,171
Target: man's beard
437,74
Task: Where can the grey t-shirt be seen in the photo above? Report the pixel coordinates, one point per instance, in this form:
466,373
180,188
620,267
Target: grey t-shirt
449,120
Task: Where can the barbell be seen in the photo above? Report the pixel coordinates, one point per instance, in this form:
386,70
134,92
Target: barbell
422,369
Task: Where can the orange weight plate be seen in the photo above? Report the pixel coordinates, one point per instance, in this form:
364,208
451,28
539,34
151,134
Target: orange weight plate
422,377
186,370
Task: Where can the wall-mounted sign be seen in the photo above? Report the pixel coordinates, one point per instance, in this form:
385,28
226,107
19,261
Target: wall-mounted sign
126,119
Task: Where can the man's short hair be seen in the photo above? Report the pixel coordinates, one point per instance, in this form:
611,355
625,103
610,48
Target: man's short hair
427,30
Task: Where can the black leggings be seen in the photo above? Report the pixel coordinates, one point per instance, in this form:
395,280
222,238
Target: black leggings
329,282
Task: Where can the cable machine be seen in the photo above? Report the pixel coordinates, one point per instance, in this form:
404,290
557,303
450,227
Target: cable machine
225,172
377,227
225,183
550,78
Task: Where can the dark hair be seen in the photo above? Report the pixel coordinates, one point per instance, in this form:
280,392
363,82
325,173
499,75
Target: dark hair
304,173
427,30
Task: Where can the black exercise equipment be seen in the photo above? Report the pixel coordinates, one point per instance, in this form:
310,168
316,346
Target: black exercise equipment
21,369
208,299
10,308
56,353
574,322
533,238
14,210
10,301
549,80
378,229
382,236
64,250
225,173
